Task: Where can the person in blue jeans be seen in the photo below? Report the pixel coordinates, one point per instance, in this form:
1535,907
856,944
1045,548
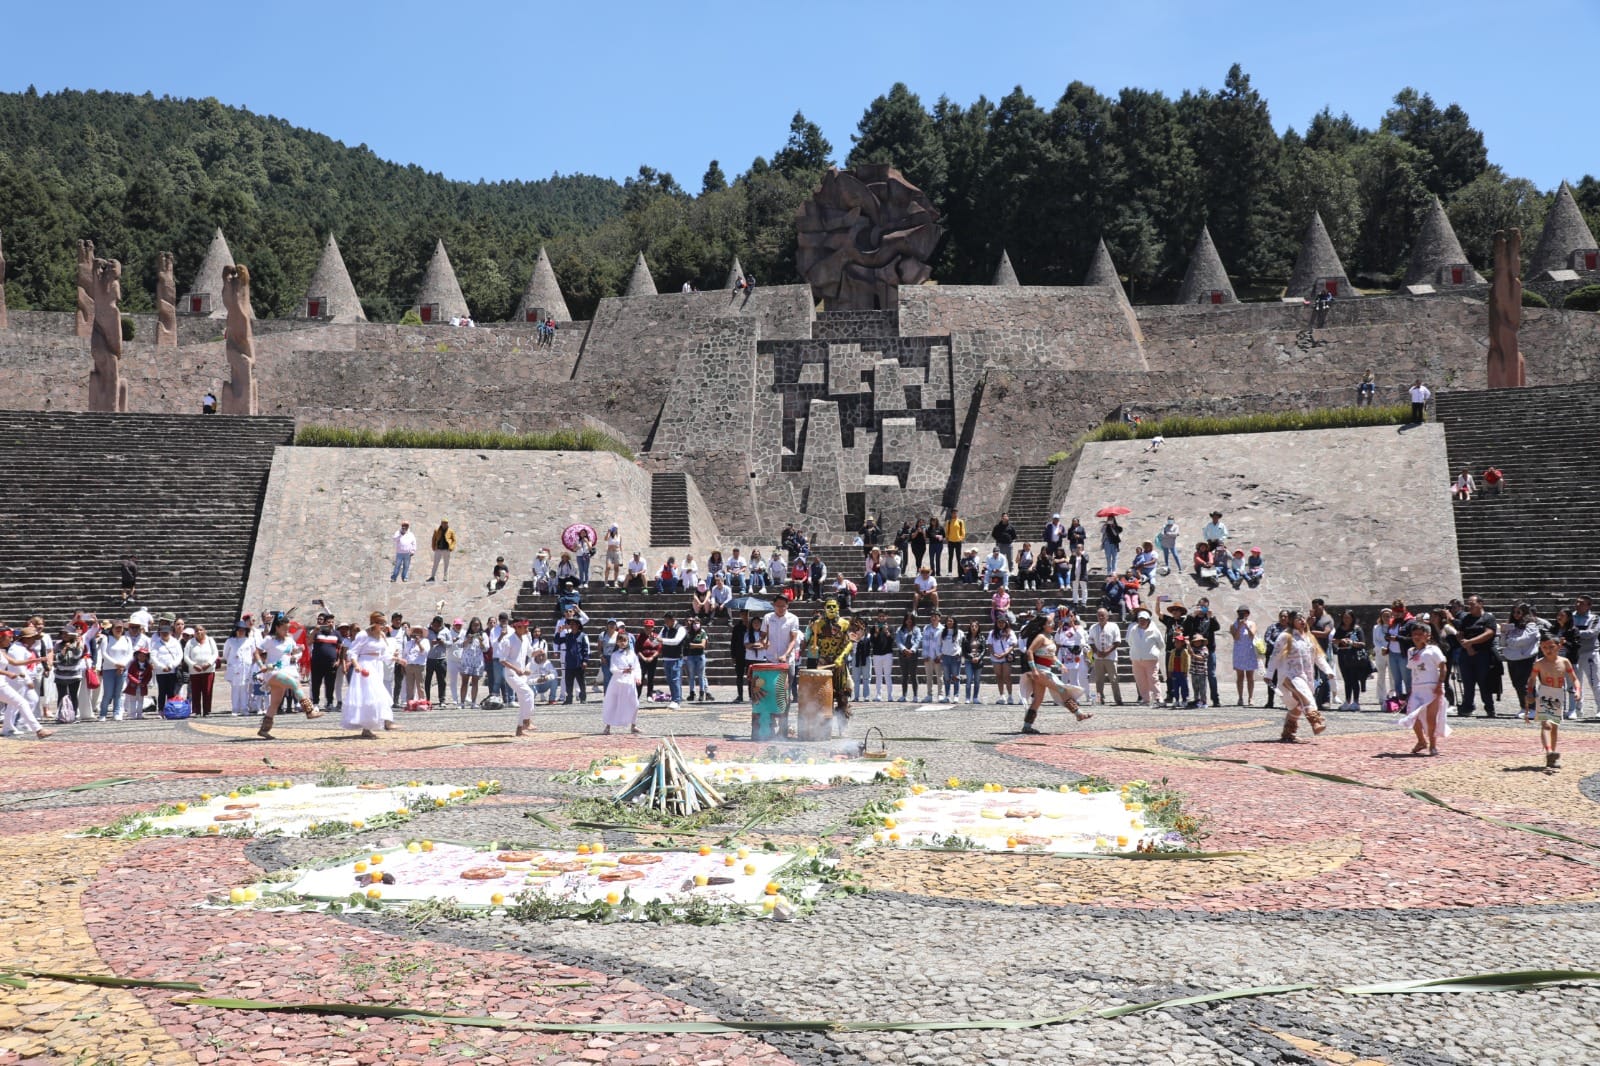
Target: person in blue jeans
1111,542
672,636
972,644
694,660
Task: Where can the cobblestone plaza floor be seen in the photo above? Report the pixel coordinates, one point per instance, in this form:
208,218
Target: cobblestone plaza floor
1336,885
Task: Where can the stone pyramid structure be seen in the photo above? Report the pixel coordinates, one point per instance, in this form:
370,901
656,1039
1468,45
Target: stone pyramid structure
1206,280
735,274
1004,275
543,292
331,296
1565,232
640,283
1436,255
205,295
1317,268
439,298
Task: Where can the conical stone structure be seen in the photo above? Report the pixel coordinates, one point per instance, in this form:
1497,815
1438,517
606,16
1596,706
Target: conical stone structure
1103,270
1004,275
640,283
735,274
205,295
1317,268
1436,256
331,296
1206,281
543,293
1565,232
439,299
1102,274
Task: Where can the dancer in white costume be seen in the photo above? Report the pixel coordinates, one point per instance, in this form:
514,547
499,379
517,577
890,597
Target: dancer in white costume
622,694
368,700
513,653
278,664
15,662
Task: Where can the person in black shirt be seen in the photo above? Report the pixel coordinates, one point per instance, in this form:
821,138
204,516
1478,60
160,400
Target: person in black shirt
1201,622
1320,622
324,660
1005,534
1479,664
736,642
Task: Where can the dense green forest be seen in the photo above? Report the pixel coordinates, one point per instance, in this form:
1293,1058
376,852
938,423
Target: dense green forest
138,174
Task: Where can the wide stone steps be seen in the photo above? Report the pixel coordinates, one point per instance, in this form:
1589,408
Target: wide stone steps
181,493
1540,538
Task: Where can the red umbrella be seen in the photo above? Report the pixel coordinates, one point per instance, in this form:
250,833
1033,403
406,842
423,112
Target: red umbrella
569,536
1113,511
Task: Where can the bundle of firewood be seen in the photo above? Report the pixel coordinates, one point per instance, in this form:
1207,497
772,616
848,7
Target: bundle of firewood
668,784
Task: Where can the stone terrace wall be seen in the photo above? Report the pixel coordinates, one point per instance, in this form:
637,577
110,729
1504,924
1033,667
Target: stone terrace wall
640,339
1083,325
1320,505
192,329
330,513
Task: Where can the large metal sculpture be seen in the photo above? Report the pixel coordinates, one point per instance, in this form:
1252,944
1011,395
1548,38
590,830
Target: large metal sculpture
1507,370
863,234
239,393
166,303
106,390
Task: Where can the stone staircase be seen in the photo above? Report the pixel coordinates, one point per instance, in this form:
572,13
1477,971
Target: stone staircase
1032,501
181,493
1540,539
669,510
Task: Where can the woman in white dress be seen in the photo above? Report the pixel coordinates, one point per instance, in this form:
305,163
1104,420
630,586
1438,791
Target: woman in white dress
1426,709
1297,658
367,702
622,694
1069,649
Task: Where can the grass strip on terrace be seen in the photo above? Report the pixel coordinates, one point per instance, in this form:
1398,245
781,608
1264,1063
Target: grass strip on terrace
556,440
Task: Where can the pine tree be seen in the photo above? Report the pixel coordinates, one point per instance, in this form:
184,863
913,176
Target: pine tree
896,129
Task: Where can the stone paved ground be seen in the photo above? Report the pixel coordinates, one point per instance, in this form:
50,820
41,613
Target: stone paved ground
1337,885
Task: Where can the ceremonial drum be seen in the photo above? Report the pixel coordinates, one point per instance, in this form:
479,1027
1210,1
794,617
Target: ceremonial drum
769,698
816,704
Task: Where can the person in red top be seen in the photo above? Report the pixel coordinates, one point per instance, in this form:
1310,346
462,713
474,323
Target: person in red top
648,649
1493,479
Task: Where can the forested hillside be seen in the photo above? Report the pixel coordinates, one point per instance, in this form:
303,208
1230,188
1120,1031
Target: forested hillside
140,174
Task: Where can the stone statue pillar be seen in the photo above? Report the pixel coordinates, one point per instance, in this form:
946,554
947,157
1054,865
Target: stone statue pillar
4,320
239,394
106,390
86,289
1507,370
166,304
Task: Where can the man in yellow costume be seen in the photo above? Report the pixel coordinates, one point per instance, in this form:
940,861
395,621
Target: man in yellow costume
829,642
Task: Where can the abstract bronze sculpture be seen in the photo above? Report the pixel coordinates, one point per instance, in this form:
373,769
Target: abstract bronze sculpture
863,234
85,325
166,304
1507,369
106,390
239,394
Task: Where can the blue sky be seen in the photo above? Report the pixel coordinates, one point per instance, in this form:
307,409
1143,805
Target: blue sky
499,89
